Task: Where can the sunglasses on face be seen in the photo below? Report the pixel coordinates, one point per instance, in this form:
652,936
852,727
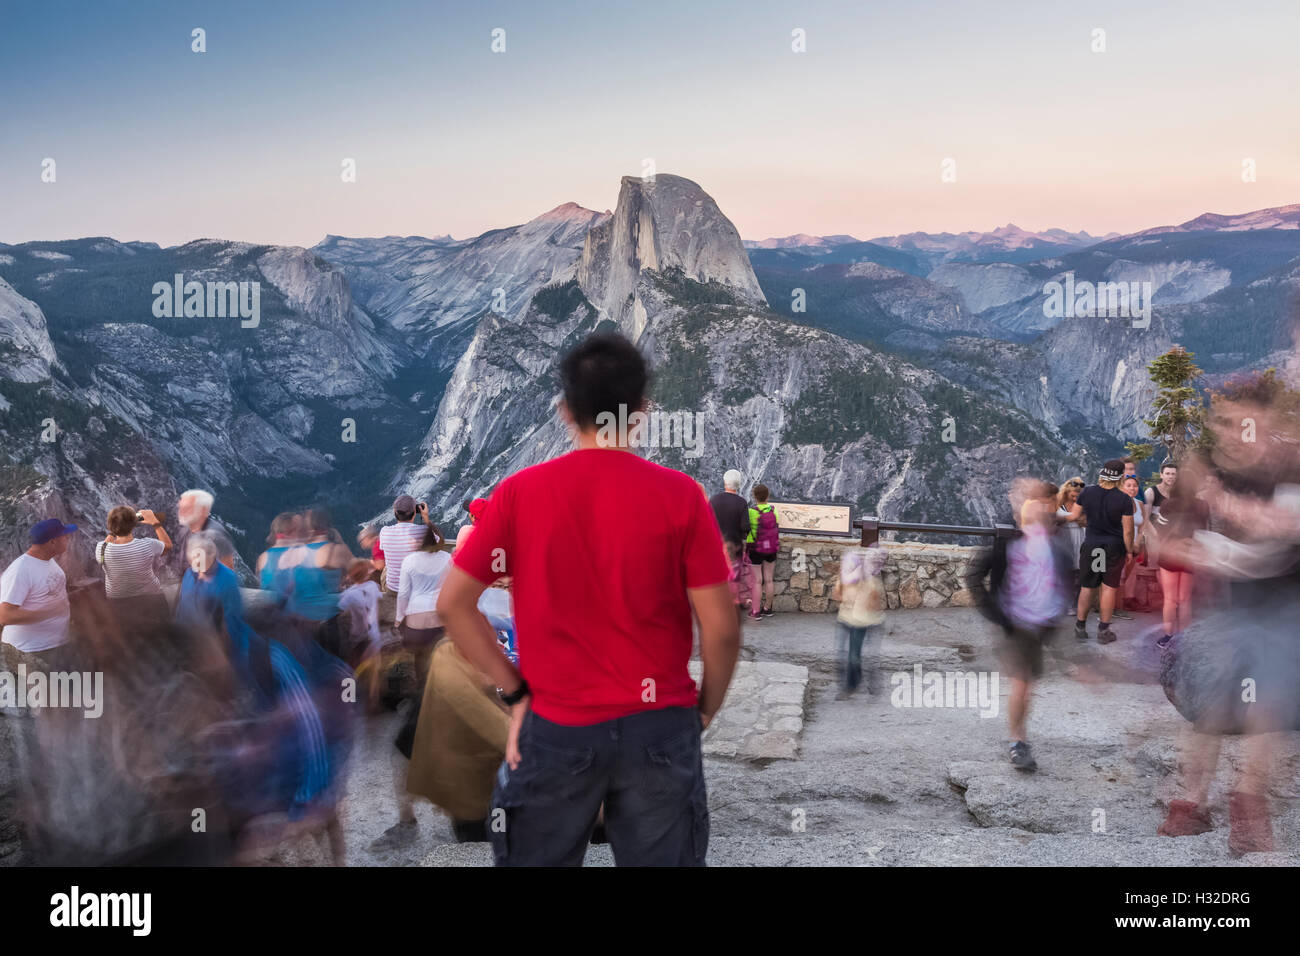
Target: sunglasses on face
1076,484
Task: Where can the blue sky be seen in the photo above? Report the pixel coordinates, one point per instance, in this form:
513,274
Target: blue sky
245,141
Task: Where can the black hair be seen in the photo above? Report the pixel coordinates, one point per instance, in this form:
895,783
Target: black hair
600,374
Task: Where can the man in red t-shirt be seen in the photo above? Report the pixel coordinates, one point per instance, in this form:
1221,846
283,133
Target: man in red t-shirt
609,555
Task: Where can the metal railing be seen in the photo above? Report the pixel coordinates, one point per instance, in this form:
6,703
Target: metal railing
872,526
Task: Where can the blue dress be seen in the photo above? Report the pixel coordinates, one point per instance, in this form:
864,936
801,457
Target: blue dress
268,768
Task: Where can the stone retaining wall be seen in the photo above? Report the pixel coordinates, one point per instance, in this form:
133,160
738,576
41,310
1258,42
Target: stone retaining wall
916,574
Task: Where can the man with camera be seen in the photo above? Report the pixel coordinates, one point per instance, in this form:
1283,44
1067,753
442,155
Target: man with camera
402,538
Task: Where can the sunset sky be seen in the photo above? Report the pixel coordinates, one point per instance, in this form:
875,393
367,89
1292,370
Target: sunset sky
155,142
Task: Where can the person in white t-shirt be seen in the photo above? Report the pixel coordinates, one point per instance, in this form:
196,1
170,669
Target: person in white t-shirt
401,538
34,612
416,615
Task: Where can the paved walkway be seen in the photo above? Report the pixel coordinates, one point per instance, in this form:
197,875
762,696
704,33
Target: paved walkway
861,781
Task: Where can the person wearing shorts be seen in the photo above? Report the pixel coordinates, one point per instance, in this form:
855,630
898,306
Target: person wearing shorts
762,549
1023,586
1182,514
1107,543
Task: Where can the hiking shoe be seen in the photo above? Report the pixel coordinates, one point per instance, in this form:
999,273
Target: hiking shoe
1121,614
1105,635
1185,819
1252,831
1021,758
1080,630
1163,640
768,612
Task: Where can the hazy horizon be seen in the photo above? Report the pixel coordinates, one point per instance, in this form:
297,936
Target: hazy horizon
432,234
156,143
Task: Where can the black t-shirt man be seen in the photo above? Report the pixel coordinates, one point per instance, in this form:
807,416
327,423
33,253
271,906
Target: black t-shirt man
1105,509
732,513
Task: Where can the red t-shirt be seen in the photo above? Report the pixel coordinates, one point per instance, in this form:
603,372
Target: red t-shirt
600,546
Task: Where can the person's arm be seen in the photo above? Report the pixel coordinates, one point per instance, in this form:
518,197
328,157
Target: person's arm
15,592
1076,512
474,637
470,631
13,614
709,592
152,521
1128,533
719,644
1266,519
467,697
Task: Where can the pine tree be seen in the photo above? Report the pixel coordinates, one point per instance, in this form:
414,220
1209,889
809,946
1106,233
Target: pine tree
1178,413
1140,452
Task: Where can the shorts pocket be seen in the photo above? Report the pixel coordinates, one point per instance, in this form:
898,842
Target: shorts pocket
565,760
673,766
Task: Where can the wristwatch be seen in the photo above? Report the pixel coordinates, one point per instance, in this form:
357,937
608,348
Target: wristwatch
519,694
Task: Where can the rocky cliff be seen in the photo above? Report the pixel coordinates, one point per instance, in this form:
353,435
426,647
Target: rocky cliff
806,411
145,405
664,225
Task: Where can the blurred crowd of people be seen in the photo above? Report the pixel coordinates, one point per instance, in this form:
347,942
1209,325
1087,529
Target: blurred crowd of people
1222,531
548,698
231,712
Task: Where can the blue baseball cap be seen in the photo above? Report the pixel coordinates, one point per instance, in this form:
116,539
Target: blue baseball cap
43,532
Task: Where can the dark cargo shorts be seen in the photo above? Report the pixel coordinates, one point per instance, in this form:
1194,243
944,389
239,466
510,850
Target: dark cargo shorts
646,770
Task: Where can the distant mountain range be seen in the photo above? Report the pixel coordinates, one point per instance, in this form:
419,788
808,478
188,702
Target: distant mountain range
995,281
824,366
926,250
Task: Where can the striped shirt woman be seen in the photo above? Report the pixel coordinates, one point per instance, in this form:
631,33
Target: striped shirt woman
129,561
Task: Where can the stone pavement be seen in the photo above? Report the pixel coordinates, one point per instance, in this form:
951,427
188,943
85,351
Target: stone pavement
763,713
867,783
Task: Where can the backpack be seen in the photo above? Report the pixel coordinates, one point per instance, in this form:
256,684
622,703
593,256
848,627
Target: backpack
767,540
